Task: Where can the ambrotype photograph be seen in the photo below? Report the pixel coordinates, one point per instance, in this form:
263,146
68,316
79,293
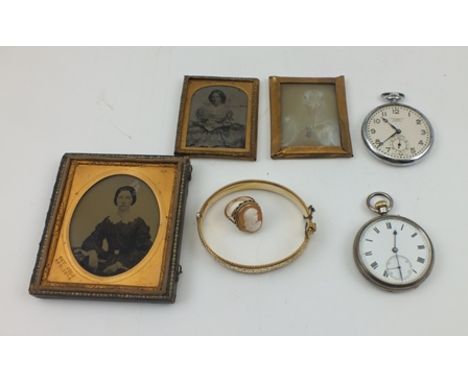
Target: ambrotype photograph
309,118
114,225
218,118
114,228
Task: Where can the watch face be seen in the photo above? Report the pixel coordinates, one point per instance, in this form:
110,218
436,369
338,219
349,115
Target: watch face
393,252
397,133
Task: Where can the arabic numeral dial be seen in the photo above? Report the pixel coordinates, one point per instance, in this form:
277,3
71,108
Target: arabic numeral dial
397,133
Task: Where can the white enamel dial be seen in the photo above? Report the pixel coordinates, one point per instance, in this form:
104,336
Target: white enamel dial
397,133
394,251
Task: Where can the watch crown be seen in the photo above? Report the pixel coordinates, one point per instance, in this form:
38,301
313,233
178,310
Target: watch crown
393,96
382,207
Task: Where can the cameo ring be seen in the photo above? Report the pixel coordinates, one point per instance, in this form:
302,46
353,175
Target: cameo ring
245,213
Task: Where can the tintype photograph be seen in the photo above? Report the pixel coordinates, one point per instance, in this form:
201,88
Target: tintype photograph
114,228
309,118
218,118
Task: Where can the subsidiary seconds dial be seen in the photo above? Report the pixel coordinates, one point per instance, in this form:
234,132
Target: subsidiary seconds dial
397,133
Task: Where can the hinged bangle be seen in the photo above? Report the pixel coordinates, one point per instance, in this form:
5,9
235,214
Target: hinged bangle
263,185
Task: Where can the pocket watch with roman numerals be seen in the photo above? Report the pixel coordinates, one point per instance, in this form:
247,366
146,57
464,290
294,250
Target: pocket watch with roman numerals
392,251
396,133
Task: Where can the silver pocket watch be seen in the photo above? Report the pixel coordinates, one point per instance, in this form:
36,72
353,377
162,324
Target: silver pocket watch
392,251
396,133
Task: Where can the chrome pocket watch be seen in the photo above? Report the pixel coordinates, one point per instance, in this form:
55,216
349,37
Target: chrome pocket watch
396,133
392,251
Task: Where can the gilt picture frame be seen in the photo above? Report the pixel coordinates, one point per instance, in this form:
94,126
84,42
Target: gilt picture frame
309,118
114,228
218,118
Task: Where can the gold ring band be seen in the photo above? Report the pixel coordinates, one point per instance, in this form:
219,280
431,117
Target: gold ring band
262,185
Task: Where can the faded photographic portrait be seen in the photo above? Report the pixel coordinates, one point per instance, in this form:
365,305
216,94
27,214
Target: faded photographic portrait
114,225
309,115
218,117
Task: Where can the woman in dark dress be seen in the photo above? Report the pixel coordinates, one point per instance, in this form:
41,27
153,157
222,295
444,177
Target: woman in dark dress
117,243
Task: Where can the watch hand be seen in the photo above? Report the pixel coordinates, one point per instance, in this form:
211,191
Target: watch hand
395,250
393,268
393,126
385,140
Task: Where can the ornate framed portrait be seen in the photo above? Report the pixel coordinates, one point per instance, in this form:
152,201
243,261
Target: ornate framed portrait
218,118
114,228
309,118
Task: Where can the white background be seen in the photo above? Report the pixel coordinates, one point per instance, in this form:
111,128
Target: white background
126,100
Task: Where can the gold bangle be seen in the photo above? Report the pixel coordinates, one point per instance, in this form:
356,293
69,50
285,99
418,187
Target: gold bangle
262,185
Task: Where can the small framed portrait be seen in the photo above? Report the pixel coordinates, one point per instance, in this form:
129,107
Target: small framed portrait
218,118
114,228
309,118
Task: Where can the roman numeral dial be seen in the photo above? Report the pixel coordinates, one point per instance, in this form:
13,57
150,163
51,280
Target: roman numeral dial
394,251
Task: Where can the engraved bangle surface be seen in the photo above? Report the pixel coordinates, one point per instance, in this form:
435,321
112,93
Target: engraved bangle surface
261,185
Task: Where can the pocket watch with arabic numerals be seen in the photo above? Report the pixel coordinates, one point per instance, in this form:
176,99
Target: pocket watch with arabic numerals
392,251
396,133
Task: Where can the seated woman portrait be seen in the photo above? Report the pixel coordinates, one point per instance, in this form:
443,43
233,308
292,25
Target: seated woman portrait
118,242
214,125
